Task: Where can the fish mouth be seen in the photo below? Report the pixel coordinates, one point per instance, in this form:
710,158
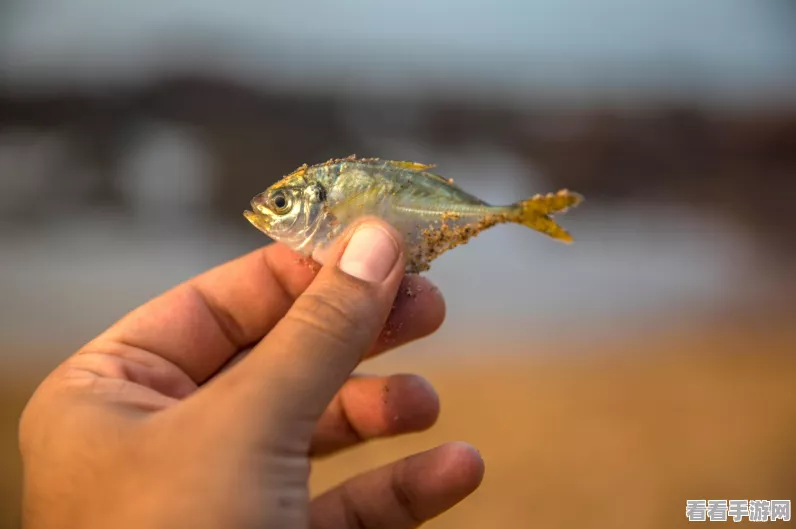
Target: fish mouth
258,220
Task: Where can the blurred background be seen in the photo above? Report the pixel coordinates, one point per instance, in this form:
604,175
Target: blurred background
605,382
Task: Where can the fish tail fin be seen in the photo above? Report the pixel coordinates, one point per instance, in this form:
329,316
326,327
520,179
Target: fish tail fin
537,213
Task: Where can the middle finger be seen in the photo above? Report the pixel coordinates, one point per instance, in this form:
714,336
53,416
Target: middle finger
369,407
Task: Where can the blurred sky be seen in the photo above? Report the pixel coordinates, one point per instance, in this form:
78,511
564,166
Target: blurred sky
722,51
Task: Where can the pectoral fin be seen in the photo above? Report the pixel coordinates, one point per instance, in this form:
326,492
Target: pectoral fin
356,205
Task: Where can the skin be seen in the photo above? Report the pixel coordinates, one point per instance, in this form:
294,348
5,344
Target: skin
163,420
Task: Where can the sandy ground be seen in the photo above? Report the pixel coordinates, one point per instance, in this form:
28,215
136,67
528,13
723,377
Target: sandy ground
614,439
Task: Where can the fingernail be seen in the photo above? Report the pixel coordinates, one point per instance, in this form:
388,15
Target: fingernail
370,255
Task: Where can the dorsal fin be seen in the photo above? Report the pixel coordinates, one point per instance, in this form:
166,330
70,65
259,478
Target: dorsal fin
423,168
412,166
332,161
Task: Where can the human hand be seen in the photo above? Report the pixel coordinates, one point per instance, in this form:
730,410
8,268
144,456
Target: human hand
150,425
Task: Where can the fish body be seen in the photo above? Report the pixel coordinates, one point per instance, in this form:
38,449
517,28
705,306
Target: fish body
310,207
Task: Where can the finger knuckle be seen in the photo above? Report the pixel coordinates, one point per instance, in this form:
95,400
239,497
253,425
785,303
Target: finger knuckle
332,315
404,497
354,518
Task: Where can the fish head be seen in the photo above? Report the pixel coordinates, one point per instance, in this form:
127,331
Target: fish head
289,211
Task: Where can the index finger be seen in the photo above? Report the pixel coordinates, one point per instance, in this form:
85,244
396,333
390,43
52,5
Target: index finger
200,325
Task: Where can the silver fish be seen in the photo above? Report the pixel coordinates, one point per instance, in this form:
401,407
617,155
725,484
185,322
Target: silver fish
307,209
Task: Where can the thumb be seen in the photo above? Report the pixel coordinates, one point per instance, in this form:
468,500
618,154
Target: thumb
295,371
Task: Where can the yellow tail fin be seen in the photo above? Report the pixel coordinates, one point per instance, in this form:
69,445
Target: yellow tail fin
537,212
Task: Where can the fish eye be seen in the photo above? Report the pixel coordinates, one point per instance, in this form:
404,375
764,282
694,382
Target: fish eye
281,202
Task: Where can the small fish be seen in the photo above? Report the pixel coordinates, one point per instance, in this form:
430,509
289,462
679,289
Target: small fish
310,207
